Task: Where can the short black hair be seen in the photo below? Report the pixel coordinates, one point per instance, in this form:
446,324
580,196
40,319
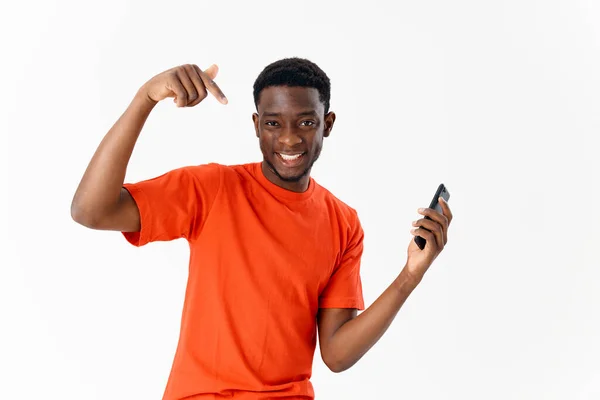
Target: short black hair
294,71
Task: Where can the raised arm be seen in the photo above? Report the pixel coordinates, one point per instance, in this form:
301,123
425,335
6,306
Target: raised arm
100,201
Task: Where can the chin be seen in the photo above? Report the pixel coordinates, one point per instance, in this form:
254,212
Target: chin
287,174
292,178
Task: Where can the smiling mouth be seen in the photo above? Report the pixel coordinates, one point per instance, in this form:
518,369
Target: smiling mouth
291,159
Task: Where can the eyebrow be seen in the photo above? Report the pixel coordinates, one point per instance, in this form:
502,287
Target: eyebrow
302,114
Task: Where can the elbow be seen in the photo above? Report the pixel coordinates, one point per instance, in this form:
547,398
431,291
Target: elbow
336,368
337,364
83,217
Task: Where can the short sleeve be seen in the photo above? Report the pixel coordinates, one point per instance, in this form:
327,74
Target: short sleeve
174,205
344,289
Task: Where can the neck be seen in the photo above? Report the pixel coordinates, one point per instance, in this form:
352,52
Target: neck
298,186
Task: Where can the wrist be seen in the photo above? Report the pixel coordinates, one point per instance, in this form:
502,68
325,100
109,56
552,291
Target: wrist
407,280
142,95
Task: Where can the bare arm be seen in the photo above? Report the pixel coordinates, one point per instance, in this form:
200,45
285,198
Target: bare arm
100,201
344,337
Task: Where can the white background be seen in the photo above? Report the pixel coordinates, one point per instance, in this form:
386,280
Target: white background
498,100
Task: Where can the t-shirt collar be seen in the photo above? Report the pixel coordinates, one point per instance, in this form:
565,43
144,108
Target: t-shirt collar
280,192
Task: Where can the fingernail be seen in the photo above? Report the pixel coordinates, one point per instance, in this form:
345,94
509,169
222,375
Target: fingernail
421,209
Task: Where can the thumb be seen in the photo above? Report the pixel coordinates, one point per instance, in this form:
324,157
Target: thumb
212,71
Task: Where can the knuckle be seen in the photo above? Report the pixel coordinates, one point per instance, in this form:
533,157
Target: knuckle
173,77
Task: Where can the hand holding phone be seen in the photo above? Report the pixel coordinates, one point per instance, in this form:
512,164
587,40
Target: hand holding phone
442,192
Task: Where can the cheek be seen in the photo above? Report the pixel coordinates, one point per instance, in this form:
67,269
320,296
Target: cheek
265,141
317,143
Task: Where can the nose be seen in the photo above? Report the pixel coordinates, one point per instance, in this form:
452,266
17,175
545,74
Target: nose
289,137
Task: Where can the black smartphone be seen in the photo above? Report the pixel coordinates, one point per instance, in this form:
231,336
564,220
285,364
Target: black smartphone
442,192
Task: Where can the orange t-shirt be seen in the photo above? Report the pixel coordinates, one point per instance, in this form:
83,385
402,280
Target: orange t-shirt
263,260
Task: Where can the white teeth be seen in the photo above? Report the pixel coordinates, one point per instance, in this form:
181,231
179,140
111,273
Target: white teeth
290,158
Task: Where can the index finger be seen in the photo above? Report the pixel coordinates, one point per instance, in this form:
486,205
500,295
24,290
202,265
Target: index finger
435,215
211,86
445,209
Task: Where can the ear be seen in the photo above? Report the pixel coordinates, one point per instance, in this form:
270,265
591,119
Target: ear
329,120
255,120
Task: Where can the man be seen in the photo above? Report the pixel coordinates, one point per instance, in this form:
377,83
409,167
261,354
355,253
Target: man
274,257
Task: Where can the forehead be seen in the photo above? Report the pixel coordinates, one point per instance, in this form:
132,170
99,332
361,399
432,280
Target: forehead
285,98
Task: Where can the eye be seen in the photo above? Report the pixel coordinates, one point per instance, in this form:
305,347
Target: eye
271,123
307,123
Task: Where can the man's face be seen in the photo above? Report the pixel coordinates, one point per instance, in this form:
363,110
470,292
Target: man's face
291,124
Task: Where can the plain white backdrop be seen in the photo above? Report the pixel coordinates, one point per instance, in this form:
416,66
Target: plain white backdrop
498,100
